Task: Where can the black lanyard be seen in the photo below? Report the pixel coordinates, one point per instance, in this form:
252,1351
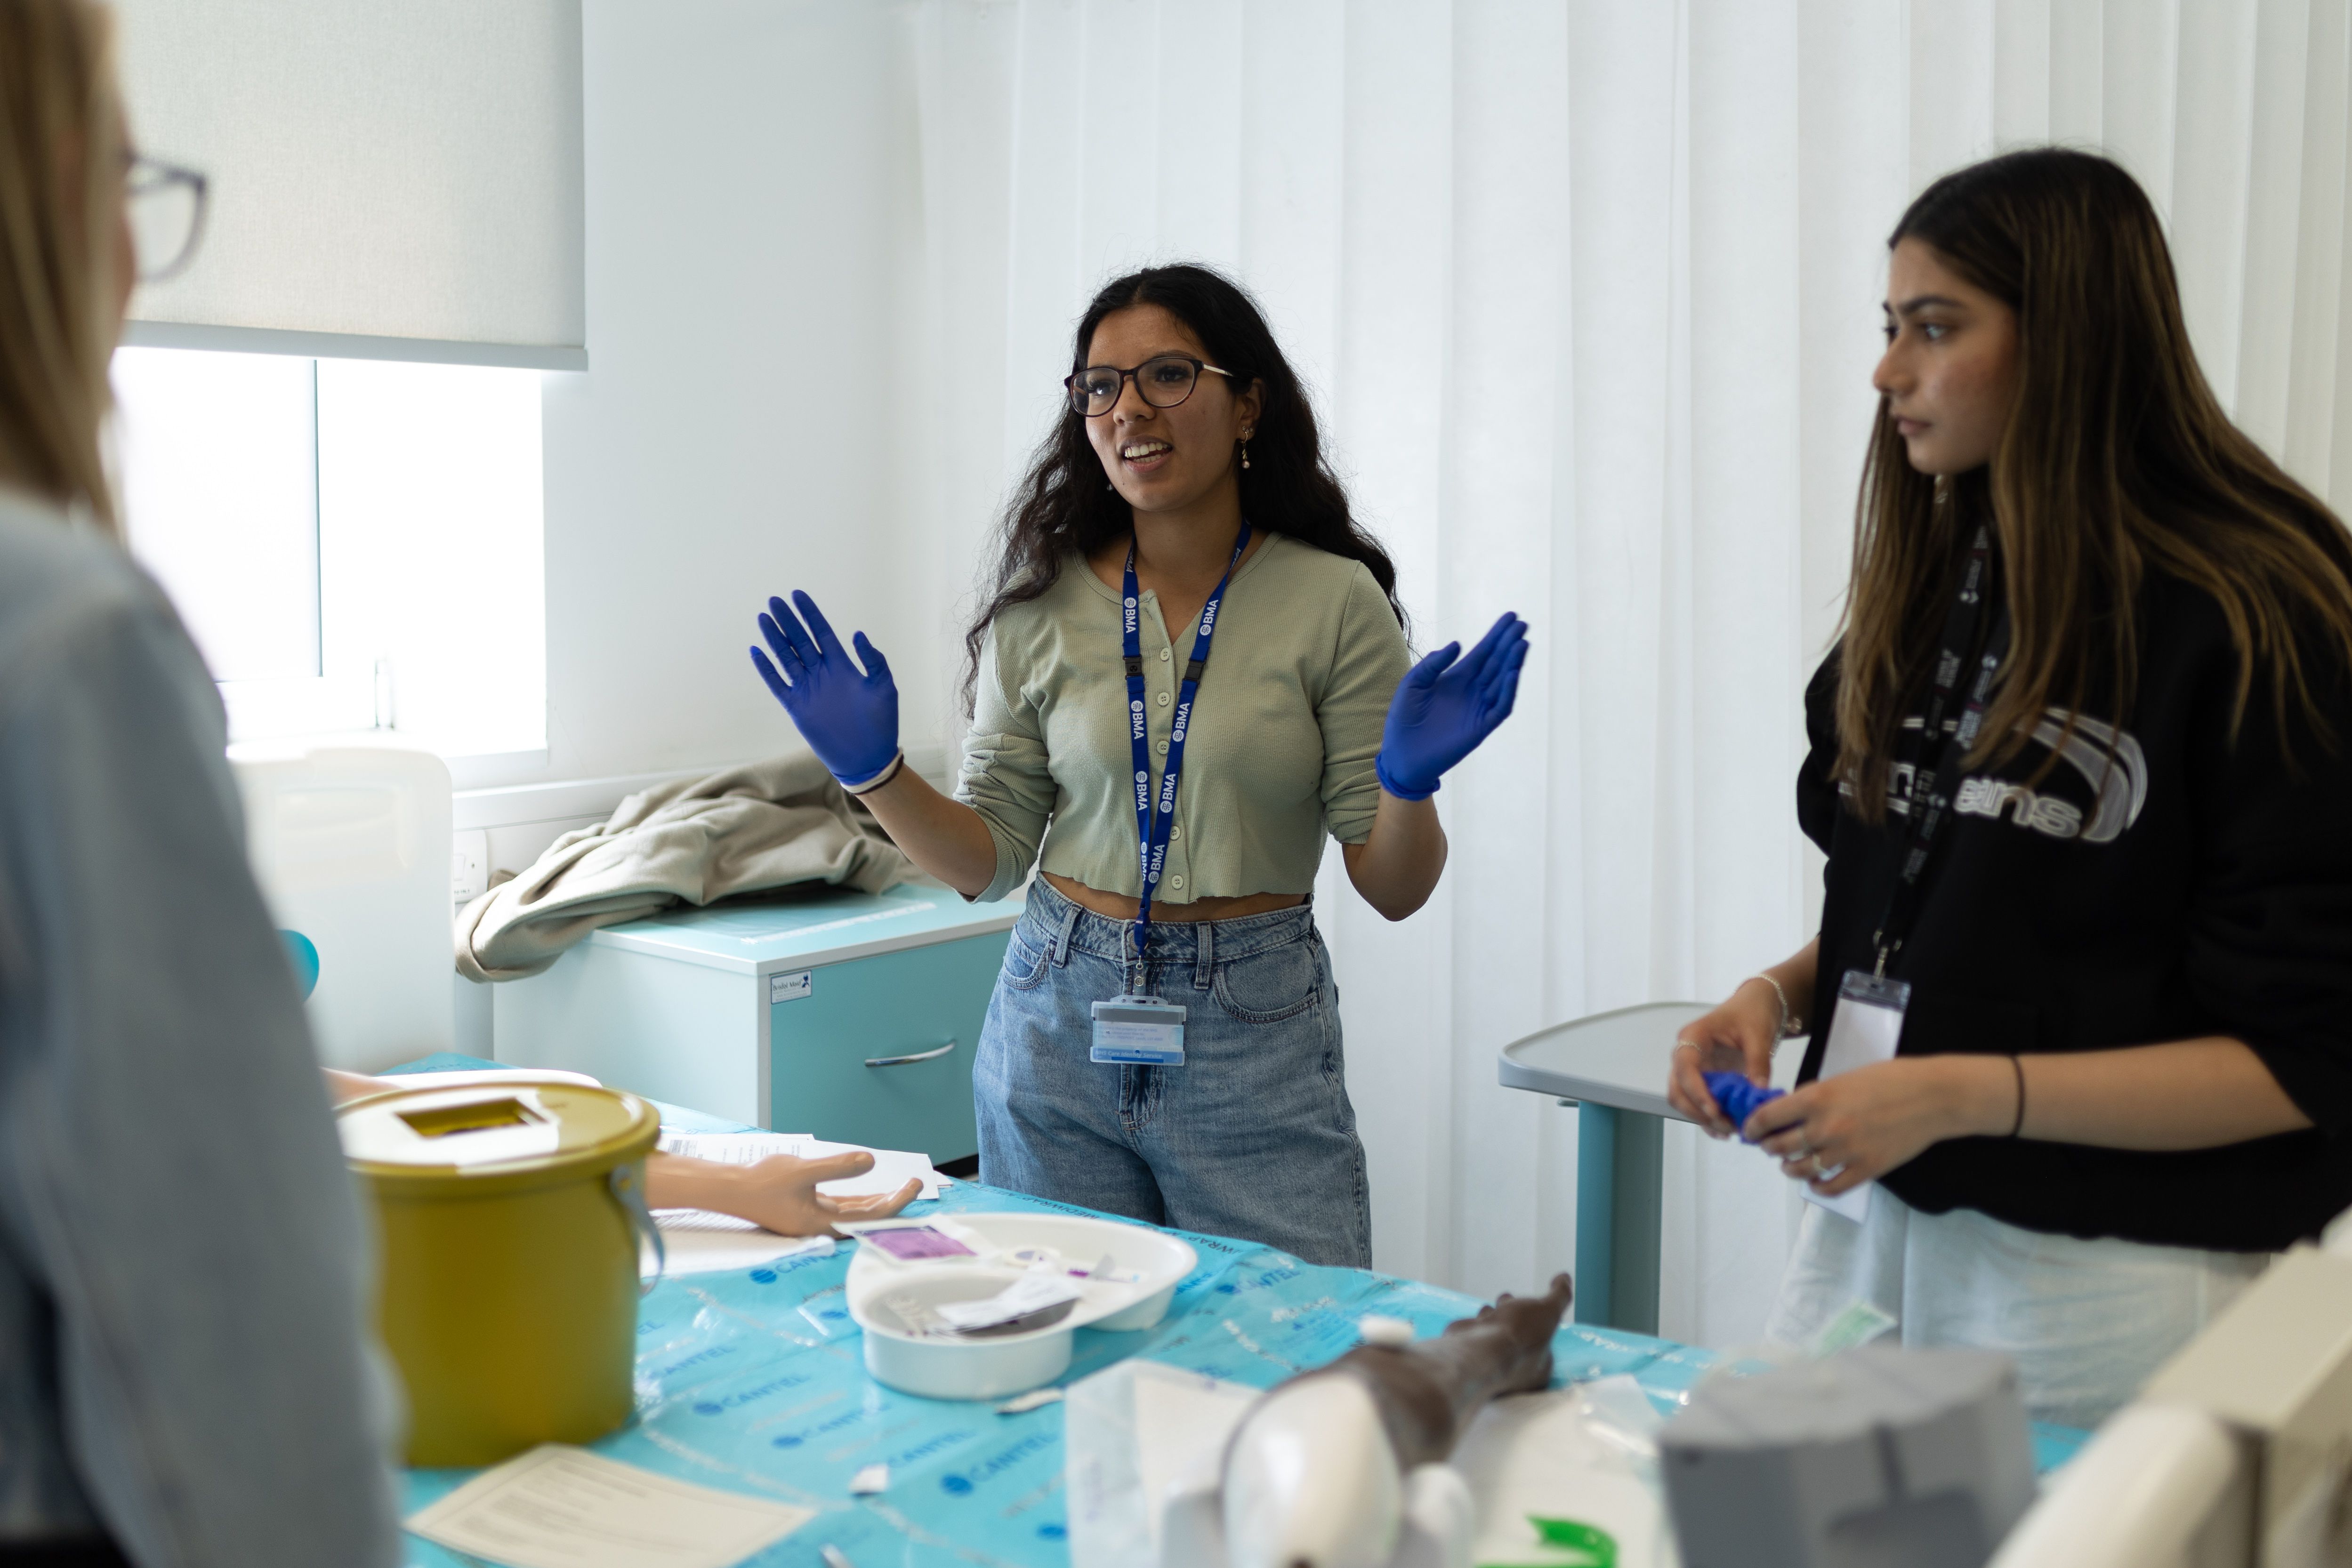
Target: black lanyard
1931,795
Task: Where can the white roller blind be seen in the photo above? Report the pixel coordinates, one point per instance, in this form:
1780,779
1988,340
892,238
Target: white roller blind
388,181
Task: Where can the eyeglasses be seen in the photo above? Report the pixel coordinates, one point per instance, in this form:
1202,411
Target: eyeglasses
167,215
1163,383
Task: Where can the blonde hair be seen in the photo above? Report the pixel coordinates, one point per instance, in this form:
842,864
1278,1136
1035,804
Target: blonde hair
61,168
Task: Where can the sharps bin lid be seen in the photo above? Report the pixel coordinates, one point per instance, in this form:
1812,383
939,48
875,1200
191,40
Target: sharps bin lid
487,1136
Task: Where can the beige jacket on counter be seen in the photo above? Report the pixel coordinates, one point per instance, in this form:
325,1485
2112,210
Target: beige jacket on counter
766,824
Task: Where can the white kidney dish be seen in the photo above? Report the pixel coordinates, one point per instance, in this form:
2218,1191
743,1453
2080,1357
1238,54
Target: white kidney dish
1124,1276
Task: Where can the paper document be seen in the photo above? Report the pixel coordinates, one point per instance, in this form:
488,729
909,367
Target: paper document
892,1169
560,1507
725,1252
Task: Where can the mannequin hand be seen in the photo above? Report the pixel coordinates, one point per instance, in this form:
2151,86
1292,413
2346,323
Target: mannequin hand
1862,1124
1737,1037
779,1192
1444,708
849,718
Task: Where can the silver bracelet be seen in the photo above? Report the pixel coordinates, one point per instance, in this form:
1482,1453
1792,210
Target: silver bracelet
1792,1026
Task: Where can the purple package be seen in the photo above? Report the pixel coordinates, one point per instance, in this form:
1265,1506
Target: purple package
909,1242
1737,1097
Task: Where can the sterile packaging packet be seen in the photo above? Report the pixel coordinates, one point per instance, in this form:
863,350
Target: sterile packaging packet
1132,1434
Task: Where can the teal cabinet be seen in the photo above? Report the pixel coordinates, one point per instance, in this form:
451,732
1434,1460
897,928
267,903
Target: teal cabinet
851,1016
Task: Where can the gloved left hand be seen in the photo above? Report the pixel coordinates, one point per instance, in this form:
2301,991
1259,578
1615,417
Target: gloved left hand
849,717
1446,704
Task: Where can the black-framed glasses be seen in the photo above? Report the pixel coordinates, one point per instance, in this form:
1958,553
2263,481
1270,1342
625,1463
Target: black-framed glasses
166,204
1163,382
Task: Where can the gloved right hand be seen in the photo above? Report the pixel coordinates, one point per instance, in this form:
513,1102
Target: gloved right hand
849,717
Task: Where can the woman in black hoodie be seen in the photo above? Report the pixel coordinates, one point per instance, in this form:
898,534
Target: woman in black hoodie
2081,1003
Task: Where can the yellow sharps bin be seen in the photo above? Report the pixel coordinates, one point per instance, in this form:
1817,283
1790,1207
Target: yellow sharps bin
510,1216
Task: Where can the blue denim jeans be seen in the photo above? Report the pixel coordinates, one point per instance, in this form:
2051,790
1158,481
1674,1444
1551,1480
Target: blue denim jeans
1251,1137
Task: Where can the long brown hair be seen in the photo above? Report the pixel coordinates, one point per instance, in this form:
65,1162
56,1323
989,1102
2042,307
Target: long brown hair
2117,460
60,197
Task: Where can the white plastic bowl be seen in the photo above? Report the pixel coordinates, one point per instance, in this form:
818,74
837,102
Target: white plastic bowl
989,1367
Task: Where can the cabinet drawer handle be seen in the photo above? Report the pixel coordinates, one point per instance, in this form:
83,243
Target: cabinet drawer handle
918,1056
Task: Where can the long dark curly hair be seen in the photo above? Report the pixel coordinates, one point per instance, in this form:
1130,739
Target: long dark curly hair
1062,507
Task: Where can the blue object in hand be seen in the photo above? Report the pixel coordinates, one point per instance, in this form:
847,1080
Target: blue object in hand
303,954
1737,1097
849,716
1445,705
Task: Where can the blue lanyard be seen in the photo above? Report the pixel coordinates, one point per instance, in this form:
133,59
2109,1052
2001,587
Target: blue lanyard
1151,827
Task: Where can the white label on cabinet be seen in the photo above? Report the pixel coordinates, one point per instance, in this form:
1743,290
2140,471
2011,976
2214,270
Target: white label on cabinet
792,987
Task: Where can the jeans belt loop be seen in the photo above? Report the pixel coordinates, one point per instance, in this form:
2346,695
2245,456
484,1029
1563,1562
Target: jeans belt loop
1204,952
1069,929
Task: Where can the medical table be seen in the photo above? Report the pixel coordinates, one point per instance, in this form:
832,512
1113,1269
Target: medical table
1612,1068
752,1380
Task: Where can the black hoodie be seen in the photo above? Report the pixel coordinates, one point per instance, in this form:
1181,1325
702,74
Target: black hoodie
2195,885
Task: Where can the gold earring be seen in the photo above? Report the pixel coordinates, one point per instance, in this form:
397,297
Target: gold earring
1245,441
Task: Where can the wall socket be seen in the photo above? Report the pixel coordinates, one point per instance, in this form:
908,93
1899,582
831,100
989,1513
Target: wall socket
469,866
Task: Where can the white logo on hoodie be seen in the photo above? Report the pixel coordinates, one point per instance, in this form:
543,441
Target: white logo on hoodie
2110,761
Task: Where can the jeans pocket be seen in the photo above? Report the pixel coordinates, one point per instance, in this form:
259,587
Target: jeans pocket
1024,965
1270,985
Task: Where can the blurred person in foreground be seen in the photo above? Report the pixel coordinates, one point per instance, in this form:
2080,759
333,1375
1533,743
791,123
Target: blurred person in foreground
183,1377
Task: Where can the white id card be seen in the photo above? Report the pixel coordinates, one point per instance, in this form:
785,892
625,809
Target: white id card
1866,1028
1139,1032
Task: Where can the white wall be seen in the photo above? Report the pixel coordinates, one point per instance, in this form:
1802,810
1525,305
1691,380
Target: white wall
750,179
1588,295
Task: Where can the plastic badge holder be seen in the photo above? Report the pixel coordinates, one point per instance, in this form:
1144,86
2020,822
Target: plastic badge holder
1123,1275
1140,1031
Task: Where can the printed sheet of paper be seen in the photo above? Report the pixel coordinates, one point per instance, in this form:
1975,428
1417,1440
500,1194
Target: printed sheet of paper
702,1242
726,1251
562,1506
893,1168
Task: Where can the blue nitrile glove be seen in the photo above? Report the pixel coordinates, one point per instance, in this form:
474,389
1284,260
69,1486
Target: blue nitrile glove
1738,1098
1444,706
849,719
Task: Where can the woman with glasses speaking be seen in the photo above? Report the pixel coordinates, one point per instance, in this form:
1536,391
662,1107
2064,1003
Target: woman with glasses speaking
1164,1038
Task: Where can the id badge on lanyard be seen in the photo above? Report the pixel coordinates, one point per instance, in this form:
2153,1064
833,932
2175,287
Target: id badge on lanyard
1140,1031
1135,1028
1867,1027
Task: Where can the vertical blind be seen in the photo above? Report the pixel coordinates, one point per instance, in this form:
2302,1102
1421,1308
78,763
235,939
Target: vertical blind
388,181
1589,293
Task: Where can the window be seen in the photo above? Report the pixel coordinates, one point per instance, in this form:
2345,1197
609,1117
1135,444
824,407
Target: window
354,545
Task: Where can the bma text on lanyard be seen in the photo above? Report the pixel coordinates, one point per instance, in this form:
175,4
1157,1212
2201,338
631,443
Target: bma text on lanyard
1132,1027
1868,1024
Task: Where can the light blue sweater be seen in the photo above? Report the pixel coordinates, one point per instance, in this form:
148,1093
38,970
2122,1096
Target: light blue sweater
181,1256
